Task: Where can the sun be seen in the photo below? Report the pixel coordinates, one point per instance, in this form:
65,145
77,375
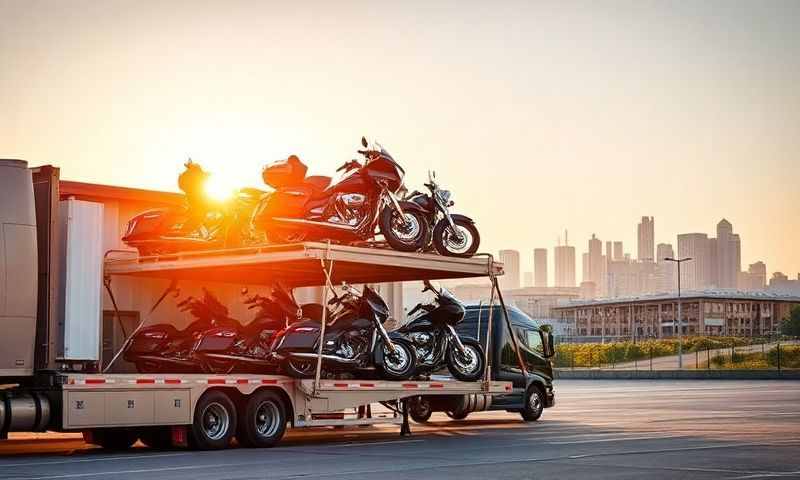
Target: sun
219,187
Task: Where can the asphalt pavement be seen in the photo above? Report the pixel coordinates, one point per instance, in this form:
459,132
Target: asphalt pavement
598,429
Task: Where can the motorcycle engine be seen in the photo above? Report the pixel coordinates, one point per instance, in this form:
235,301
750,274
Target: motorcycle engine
425,344
352,345
349,208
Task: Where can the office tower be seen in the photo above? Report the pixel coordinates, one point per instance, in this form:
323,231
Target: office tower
510,279
665,270
758,275
565,264
618,254
595,261
585,266
729,261
646,237
694,273
540,267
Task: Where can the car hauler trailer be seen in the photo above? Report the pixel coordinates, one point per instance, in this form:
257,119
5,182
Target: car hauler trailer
202,410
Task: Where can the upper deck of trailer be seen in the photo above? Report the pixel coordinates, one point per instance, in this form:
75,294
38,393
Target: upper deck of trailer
301,264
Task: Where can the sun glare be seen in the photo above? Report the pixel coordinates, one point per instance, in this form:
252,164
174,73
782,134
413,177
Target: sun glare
220,188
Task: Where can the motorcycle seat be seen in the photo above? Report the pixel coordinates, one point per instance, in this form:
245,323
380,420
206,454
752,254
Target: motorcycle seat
318,184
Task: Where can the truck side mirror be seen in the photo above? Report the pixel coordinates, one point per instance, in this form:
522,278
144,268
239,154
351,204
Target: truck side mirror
547,340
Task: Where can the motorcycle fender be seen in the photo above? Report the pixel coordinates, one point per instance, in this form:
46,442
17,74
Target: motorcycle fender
411,206
463,218
377,354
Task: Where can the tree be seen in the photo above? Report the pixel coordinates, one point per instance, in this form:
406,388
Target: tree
791,324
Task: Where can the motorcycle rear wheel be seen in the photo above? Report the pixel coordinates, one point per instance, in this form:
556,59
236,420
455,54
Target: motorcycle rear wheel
399,366
300,368
408,236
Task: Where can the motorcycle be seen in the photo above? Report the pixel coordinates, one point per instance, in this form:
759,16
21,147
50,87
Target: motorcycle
242,348
453,235
162,347
199,224
355,340
436,341
348,211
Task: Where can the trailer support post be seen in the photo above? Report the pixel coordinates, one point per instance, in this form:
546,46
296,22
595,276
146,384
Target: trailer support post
327,270
405,428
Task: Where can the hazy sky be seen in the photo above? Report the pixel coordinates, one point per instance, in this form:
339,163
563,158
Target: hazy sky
540,116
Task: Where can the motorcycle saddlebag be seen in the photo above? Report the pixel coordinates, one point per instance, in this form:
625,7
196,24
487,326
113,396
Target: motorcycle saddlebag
284,173
286,202
218,339
151,339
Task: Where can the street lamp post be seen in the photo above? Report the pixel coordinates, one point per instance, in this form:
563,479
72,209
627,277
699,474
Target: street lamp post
679,323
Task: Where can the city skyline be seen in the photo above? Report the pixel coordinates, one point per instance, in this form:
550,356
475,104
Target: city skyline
715,261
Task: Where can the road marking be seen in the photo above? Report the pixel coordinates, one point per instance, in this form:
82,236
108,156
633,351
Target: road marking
363,444
619,439
770,474
134,456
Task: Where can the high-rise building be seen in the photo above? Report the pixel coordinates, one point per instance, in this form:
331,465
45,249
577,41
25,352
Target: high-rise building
618,253
528,279
510,279
585,266
694,273
729,261
565,265
540,267
665,271
646,236
758,275
595,261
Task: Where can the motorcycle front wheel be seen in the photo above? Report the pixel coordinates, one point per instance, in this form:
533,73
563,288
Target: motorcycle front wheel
398,365
404,236
467,366
447,243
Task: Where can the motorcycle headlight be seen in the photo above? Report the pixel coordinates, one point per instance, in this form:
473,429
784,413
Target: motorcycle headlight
444,196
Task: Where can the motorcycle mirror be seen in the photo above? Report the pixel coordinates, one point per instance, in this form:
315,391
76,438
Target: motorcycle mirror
364,142
176,293
244,290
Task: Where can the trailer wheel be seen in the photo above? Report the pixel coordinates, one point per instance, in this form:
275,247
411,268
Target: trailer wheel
419,408
264,420
214,421
534,404
457,414
157,438
111,438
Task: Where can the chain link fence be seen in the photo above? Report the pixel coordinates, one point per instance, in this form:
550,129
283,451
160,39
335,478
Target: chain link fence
709,353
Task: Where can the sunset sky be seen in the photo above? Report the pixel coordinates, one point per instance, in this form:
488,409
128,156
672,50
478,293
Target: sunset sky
539,116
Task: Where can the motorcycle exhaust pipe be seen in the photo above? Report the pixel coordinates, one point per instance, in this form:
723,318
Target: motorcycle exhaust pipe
222,356
332,358
312,223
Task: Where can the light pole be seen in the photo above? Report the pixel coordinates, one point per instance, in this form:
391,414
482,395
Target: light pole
679,322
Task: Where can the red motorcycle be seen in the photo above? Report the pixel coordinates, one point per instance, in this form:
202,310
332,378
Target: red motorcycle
351,210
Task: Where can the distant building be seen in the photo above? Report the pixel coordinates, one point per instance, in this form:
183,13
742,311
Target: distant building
780,284
665,271
729,261
755,278
510,279
618,252
539,302
540,267
528,279
646,240
595,261
565,265
694,273
709,312
588,290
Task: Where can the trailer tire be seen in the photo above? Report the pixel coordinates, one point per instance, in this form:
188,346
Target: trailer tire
111,438
157,438
534,404
457,414
419,409
214,421
264,420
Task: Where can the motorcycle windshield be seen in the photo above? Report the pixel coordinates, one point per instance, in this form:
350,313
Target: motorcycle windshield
453,306
375,303
285,301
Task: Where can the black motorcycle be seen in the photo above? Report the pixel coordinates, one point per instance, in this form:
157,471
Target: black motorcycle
436,341
350,210
242,348
355,340
454,235
164,348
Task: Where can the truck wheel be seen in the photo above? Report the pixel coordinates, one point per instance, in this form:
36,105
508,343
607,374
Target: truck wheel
457,415
264,420
419,408
157,438
534,404
214,421
111,438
